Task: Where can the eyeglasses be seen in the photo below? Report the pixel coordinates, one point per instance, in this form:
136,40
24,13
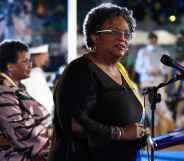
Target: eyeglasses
126,34
26,61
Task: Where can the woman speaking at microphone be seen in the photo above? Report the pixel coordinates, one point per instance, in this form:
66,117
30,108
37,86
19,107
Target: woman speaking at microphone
98,115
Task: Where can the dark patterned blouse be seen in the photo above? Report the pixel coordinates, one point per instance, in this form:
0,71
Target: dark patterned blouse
23,125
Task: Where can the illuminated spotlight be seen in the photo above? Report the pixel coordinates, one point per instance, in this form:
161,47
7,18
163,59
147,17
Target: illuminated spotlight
172,18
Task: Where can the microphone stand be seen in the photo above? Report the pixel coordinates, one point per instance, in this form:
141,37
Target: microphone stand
154,98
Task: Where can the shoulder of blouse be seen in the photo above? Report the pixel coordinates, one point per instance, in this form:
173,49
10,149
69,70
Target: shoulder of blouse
4,88
78,63
79,67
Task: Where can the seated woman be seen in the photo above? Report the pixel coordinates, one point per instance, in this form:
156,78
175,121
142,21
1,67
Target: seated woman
23,121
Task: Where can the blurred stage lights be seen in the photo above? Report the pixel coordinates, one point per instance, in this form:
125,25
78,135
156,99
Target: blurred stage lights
172,18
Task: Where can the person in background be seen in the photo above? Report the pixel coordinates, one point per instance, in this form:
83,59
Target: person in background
176,94
152,72
24,134
98,114
36,84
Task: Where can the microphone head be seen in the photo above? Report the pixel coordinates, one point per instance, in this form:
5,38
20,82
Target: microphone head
165,59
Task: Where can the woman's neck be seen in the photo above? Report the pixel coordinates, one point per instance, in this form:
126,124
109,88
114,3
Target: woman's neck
103,59
108,66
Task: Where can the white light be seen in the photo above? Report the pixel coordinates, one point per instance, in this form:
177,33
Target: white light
72,30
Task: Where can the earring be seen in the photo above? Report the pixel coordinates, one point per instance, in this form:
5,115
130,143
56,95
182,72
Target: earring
93,49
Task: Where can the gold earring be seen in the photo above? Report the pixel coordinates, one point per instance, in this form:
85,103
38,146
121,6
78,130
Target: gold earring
93,49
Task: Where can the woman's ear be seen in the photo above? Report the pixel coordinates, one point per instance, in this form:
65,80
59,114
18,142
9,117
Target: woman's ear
94,38
9,67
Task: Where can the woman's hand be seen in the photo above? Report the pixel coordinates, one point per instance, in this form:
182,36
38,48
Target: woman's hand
134,131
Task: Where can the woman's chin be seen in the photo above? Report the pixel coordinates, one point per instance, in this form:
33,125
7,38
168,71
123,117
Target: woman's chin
26,76
121,53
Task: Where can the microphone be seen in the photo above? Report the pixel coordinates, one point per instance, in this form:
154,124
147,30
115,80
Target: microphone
166,60
175,137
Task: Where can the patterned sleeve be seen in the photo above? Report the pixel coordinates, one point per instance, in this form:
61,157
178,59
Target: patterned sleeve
23,125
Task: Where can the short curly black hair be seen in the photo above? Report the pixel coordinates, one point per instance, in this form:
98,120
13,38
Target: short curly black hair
98,15
9,50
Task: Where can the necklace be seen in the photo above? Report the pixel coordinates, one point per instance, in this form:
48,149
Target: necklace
8,79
